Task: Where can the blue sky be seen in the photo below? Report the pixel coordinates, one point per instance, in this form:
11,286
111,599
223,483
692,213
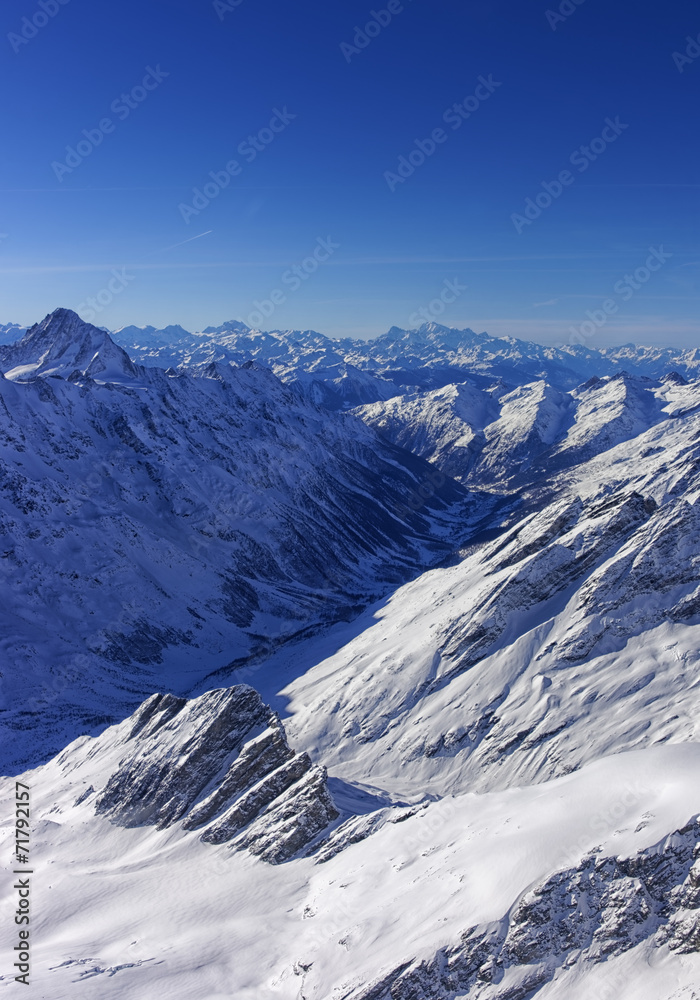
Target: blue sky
537,88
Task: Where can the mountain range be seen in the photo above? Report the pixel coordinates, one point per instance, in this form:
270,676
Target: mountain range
353,670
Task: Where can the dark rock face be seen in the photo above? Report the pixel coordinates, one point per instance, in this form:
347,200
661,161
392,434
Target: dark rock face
177,750
602,908
223,763
256,799
260,756
294,821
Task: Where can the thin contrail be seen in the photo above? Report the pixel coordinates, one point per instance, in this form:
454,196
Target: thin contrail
183,242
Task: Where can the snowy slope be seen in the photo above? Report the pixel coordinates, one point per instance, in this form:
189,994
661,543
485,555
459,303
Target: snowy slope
536,891
572,634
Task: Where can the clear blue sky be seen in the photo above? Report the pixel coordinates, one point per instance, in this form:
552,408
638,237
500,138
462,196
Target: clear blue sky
323,174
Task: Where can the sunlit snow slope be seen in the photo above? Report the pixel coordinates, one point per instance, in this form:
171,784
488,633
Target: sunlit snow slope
585,883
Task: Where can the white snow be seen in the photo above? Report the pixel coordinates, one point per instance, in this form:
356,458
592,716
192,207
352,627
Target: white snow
134,913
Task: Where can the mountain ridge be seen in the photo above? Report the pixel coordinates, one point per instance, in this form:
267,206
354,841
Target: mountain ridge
427,357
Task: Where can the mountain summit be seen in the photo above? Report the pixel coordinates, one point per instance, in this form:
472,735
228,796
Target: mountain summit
63,344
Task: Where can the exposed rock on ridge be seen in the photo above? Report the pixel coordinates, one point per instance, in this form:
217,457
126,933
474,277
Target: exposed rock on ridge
222,762
588,914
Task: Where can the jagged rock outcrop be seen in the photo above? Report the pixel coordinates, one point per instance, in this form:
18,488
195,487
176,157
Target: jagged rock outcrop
220,762
588,914
178,748
294,820
62,344
262,755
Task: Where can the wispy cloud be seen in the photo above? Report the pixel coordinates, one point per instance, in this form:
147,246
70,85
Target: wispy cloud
549,302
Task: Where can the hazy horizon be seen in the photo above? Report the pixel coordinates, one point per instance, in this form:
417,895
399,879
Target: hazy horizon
505,327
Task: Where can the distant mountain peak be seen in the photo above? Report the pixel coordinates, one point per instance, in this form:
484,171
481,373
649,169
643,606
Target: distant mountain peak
61,344
230,326
674,378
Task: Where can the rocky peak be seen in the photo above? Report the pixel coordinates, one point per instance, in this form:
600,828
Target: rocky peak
674,378
222,764
62,344
230,326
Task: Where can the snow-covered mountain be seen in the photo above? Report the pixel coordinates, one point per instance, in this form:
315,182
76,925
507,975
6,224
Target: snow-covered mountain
586,885
63,345
283,352
401,702
170,521
428,358
513,438
342,386
10,332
